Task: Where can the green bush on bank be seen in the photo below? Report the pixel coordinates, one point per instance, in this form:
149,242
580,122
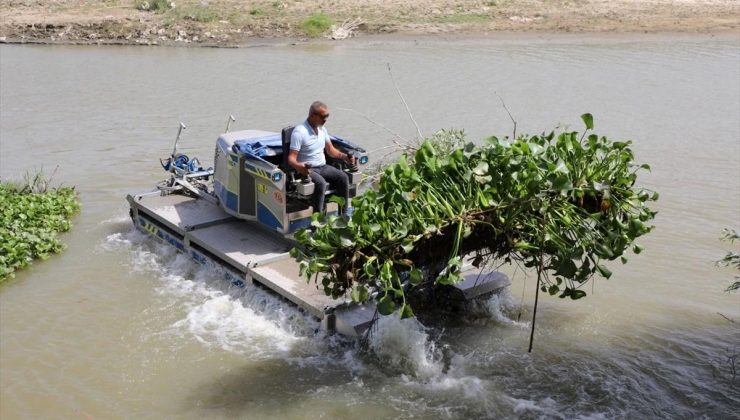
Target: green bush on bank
316,25
153,5
30,219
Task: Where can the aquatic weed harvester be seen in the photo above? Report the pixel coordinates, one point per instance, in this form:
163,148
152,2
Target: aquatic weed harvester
239,216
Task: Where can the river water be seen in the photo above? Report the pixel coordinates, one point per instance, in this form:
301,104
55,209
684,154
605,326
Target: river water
119,326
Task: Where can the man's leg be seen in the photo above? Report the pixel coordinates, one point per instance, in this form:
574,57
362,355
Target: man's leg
339,182
319,189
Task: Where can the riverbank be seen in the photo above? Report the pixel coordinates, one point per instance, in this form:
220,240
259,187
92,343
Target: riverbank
230,23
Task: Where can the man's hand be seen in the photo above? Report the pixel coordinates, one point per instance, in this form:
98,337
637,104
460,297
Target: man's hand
303,169
350,159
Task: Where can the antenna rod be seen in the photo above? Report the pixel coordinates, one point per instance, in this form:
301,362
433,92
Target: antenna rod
179,131
229,121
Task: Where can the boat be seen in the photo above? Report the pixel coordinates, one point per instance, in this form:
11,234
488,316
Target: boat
238,219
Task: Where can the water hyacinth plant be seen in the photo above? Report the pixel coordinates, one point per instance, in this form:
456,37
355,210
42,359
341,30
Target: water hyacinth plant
31,216
561,204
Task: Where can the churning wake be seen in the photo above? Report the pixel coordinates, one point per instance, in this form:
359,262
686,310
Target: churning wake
252,322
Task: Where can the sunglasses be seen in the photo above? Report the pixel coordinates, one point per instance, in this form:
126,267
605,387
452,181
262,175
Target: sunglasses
323,117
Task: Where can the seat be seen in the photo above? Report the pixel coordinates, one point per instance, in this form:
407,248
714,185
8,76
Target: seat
286,133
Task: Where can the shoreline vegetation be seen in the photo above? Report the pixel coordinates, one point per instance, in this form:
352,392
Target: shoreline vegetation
232,23
32,214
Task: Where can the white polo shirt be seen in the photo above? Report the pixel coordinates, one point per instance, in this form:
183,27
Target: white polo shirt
309,144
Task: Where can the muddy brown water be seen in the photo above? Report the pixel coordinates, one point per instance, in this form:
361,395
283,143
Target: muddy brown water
119,326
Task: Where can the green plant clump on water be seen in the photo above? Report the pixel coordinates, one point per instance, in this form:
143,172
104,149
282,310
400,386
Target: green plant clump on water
559,204
316,25
31,216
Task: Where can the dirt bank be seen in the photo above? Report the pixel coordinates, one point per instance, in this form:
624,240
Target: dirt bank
235,22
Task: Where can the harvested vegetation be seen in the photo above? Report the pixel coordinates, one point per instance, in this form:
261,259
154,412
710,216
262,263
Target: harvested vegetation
31,216
559,204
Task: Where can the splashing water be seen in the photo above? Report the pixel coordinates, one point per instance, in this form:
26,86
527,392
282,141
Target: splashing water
244,321
251,321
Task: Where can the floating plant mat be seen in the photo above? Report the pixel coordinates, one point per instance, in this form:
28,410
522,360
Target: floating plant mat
31,216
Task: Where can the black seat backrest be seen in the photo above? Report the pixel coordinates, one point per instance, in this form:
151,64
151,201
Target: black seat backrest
287,132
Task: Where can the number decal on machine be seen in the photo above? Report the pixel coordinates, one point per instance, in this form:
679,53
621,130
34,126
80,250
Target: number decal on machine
277,196
262,188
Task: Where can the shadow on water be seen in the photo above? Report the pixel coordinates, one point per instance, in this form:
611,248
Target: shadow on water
260,391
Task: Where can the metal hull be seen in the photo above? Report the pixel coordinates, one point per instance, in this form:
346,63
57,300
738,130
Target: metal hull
246,252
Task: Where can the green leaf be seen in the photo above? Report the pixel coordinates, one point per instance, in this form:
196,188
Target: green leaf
562,184
406,312
483,179
605,272
588,119
560,167
337,199
386,305
481,169
415,276
385,271
407,246
637,249
345,241
360,294
577,294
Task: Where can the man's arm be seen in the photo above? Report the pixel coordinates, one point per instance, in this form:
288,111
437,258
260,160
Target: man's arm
293,162
336,154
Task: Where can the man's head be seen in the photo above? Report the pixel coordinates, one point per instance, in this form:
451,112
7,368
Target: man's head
318,113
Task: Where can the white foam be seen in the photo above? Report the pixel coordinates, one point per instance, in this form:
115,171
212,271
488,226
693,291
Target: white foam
244,321
501,308
224,322
546,406
122,218
404,346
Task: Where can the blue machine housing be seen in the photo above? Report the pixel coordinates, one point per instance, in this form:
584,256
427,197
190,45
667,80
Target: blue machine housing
253,181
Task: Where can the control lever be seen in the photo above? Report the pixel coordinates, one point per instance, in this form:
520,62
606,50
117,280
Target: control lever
352,166
306,179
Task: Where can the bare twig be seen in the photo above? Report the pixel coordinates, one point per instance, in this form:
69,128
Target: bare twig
524,288
536,299
346,29
418,130
540,271
367,336
402,146
390,146
723,316
507,111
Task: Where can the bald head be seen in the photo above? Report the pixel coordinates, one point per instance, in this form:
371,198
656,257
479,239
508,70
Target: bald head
318,113
315,107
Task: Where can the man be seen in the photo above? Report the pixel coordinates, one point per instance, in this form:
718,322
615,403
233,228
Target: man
308,143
